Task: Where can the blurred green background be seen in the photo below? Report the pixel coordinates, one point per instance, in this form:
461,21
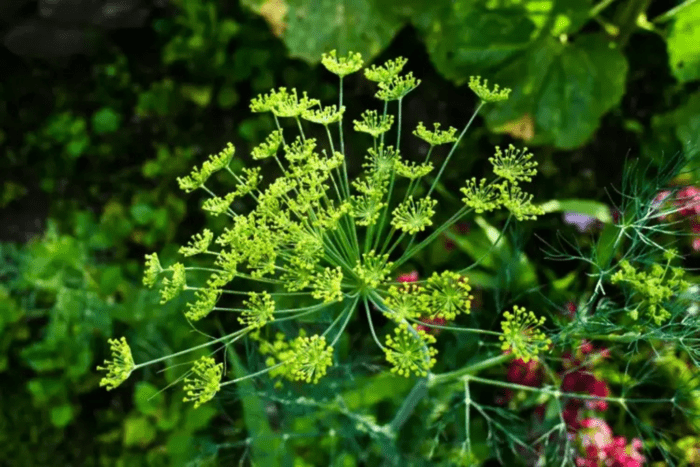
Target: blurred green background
104,104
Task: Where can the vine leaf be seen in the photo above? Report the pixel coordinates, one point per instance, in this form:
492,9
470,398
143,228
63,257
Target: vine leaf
683,41
566,88
313,27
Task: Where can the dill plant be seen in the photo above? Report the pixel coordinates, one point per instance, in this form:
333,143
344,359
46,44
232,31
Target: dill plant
313,231
316,235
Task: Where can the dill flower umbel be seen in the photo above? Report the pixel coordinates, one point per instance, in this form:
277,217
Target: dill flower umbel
206,383
119,369
521,336
312,357
329,240
409,352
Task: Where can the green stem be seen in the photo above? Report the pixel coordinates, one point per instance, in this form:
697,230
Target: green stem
410,252
673,12
419,391
454,146
235,335
434,380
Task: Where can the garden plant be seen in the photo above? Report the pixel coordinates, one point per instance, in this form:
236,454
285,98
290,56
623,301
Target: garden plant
312,265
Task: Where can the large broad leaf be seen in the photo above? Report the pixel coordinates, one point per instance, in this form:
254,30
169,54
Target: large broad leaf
313,27
684,44
467,38
565,87
493,252
595,209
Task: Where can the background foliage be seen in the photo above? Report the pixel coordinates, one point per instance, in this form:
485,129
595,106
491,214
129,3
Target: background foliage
101,108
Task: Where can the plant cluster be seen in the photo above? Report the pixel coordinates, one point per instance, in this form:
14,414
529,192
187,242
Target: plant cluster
312,242
312,236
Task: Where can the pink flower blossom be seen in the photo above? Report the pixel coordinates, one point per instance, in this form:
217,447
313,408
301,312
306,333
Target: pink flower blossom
658,201
600,448
461,228
408,277
688,199
527,374
428,329
570,309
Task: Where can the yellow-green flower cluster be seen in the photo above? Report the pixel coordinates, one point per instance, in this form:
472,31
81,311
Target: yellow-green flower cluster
411,170
405,302
373,269
483,91
282,103
342,66
386,72
373,124
206,301
413,217
397,87
444,295
206,383
312,357
198,177
518,202
153,269
326,285
302,234
449,295
173,287
521,336
119,369
261,309
278,351
480,197
515,165
409,351
437,136
199,244
653,286
324,116
217,205
269,147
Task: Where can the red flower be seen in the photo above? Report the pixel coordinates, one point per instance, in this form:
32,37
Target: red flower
570,309
461,228
428,329
688,199
598,388
408,277
527,374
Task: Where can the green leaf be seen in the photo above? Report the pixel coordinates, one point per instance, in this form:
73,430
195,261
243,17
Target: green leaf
105,120
468,38
267,449
566,88
683,123
77,147
138,431
315,27
200,95
600,211
147,399
481,279
370,391
683,40
198,418
142,213
61,415
227,97
44,390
